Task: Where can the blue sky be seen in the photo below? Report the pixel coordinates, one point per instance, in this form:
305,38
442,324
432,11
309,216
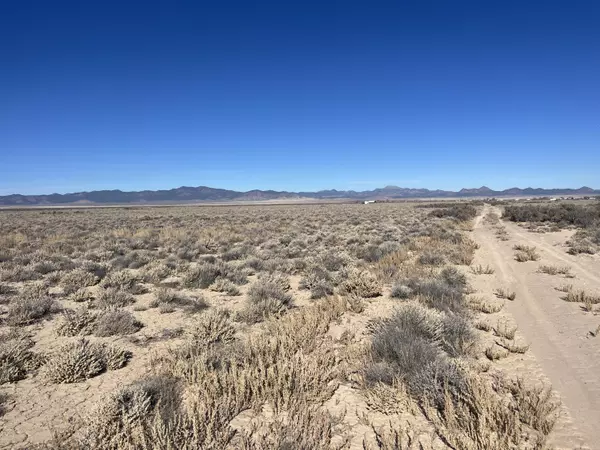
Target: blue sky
298,95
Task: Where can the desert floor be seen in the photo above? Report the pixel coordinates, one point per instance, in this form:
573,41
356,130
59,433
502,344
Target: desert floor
327,378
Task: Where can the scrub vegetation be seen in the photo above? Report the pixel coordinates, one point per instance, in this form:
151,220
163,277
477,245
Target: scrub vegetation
258,327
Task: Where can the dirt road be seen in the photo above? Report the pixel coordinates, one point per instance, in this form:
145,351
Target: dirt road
558,331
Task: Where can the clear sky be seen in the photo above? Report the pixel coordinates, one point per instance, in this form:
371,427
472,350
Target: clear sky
298,95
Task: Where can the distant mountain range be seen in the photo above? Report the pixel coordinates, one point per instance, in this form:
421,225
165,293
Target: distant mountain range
199,194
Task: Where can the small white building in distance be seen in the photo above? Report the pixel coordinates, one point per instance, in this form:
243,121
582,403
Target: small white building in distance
366,202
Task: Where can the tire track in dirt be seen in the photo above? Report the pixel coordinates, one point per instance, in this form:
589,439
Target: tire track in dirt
556,329
558,256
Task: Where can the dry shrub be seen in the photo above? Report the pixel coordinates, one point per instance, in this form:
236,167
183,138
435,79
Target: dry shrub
224,285
502,234
16,357
213,327
481,418
6,289
290,366
32,305
280,280
113,298
578,247
401,291
458,337
76,279
503,329
266,297
483,325
156,272
355,304
440,294
491,218
168,300
115,357
408,345
80,296
481,305
133,404
305,427
319,281
512,346
321,288
494,352
122,281
431,258
116,322
75,322
388,268
398,437
18,274
204,274
3,401
537,406
79,360
362,283
454,278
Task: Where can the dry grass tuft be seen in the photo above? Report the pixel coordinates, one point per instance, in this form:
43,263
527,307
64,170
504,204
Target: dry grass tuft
481,270
580,296
526,253
556,270
506,293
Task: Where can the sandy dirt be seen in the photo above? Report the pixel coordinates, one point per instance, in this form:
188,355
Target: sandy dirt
559,332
